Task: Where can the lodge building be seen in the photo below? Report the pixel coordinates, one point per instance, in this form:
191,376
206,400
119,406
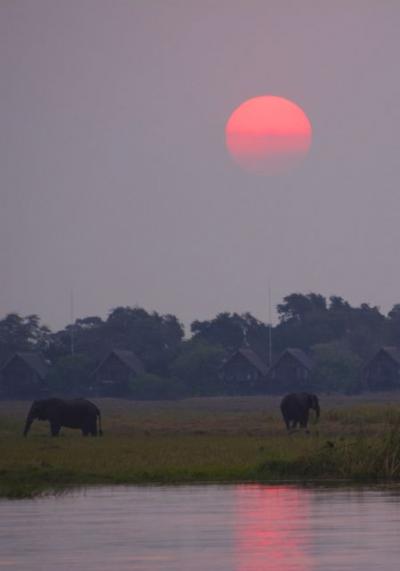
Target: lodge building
24,375
115,372
291,371
382,371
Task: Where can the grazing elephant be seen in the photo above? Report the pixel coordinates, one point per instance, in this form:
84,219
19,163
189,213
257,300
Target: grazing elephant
295,409
76,413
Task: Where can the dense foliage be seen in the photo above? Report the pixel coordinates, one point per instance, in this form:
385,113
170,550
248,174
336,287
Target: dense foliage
339,336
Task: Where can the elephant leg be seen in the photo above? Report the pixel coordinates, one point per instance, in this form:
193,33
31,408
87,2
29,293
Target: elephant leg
89,428
55,428
304,420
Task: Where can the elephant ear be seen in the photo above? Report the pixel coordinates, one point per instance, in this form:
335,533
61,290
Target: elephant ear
312,401
41,410
34,407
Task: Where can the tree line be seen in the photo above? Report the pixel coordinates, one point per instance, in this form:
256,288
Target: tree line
340,338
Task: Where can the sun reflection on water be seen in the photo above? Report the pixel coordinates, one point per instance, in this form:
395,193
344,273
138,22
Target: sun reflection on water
272,529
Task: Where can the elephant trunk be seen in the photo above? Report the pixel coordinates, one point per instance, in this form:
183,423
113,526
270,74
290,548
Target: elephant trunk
28,423
317,410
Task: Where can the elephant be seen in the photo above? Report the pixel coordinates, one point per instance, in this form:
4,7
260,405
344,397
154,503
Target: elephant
75,413
295,409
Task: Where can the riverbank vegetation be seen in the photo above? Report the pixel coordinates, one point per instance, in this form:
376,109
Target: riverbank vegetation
203,440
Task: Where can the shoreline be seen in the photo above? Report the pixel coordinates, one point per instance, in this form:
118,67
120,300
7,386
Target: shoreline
9,491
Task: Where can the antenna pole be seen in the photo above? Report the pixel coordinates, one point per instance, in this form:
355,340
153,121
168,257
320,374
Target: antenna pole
72,340
269,327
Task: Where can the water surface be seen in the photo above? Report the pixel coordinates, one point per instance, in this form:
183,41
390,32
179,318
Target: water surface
193,528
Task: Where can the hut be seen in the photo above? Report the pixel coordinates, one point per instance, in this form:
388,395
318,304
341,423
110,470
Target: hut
243,372
382,371
24,375
291,371
113,375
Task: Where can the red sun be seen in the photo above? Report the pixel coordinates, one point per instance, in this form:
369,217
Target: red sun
268,135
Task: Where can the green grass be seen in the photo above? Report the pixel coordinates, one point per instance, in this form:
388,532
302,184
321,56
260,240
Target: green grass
203,440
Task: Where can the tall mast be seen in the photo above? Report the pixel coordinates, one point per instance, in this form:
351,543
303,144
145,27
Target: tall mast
269,327
72,340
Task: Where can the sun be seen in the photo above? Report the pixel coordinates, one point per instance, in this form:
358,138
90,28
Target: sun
268,135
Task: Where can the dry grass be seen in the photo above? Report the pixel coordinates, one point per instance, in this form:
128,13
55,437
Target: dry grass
208,439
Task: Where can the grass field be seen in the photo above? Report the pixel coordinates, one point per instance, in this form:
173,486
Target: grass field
203,440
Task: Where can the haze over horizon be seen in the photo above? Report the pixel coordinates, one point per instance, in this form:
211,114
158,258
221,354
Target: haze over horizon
114,177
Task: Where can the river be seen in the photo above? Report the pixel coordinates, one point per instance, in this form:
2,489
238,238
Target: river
203,528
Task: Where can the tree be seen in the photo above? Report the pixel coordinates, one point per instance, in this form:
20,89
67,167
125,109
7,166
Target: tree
337,303
393,326
226,330
394,313
22,334
297,306
337,368
366,331
155,338
232,331
197,367
85,336
71,375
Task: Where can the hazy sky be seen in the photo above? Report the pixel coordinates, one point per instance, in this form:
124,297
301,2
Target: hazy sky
115,180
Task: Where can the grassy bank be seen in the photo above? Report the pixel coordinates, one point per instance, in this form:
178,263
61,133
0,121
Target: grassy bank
198,440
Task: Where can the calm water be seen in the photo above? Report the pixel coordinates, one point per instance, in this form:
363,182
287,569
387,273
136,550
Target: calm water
221,528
